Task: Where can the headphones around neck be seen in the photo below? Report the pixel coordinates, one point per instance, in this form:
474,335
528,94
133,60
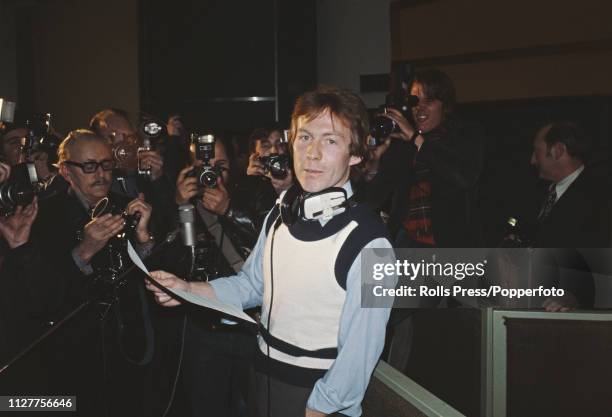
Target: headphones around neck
324,204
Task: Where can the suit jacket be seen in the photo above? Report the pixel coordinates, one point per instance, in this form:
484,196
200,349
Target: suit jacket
579,219
85,355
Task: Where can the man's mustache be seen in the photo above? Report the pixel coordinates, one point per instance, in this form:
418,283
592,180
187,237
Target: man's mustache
101,181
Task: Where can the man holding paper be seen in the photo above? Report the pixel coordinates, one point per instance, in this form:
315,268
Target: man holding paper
317,345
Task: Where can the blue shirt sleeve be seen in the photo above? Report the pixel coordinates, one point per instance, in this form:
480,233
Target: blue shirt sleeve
361,337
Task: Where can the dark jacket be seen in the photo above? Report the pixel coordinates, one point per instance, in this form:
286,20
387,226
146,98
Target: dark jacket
252,198
24,283
579,219
454,155
58,229
88,355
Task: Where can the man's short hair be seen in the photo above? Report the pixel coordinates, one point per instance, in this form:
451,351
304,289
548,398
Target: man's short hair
570,134
66,148
437,85
343,104
96,122
261,133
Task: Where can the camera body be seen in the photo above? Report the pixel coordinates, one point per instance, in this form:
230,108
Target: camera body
207,175
381,126
113,259
39,137
19,189
150,130
276,164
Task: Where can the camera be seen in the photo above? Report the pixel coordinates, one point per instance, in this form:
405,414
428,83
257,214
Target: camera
39,137
204,146
19,189
276,164
382,126
131,220
207,174
150,130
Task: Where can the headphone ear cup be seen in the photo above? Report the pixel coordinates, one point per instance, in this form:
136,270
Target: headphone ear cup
290,205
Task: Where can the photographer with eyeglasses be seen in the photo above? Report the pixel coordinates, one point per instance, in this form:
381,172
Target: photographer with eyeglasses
84,234
130,154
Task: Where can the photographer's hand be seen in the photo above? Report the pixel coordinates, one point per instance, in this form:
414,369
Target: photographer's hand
371,165
282,185
566,303
154,160
16,228
186,187
96,233
406,130
216,199
139,205
5,172
255,167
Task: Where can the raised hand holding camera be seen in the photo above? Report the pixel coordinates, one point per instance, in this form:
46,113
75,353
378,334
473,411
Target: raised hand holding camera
96,234
153,163
255,166
16,228
5,172
216,199
186,186
406,131
140,207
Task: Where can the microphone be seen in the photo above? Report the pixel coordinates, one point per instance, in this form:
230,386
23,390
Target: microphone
187,221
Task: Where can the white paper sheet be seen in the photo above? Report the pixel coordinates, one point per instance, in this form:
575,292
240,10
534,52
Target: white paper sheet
191,297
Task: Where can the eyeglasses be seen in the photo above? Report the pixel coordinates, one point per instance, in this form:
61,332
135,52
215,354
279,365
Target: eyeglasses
90,167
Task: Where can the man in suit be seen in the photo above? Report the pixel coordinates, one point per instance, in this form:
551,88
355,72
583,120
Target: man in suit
574,214
93,355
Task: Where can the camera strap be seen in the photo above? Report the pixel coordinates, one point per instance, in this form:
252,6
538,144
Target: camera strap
226,247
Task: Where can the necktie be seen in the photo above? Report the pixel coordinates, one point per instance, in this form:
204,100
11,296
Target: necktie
549,203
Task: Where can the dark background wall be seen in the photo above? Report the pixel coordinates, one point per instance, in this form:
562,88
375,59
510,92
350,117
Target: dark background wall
8,53
208,59
75,57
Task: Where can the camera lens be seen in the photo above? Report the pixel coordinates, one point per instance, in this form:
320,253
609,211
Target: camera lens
131,221
208,178
382,127
276,164
14,194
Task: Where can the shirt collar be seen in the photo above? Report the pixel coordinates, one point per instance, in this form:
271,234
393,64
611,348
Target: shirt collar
562,186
